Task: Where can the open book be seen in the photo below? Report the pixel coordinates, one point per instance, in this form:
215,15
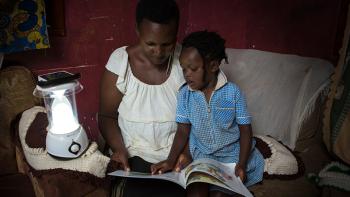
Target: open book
201,170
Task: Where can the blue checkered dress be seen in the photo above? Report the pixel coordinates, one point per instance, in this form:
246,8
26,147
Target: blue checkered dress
214,126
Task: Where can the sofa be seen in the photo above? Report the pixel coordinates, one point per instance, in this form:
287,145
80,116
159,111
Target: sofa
285,95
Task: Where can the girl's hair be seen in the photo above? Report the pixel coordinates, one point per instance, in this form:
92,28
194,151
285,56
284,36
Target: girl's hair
210,45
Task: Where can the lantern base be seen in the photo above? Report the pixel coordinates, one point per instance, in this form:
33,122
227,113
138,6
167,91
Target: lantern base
69,145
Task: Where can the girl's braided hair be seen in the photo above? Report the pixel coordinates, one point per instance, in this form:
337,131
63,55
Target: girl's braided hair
210,45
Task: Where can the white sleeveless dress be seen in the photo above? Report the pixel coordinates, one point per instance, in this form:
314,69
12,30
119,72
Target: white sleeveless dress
146,112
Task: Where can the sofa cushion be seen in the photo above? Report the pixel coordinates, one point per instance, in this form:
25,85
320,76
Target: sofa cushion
16,95
280,162
281,89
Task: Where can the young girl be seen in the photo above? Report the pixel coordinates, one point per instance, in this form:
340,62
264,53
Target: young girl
212,112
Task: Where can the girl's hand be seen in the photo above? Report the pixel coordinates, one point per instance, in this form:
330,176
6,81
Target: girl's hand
182,162
240,172
162,167
121,157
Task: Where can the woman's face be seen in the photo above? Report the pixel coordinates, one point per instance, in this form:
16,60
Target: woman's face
157,40
193,69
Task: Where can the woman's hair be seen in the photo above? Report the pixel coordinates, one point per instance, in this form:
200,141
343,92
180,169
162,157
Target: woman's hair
159,11
210,45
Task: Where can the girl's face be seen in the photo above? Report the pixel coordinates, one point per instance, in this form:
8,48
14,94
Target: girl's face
197,75
157,40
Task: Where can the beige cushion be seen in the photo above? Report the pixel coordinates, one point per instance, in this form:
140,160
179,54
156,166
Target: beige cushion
280,162
281,89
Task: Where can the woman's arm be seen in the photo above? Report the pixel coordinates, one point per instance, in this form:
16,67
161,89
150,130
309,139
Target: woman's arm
110,98
245,142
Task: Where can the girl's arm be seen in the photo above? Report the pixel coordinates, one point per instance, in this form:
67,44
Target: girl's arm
184,159
179,144
245,142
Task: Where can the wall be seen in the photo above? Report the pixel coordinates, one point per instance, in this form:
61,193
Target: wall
308,28
96,28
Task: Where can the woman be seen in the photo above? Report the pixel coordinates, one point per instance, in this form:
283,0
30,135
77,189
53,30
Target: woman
141,82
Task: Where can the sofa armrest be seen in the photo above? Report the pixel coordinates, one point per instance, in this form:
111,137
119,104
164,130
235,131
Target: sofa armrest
16,95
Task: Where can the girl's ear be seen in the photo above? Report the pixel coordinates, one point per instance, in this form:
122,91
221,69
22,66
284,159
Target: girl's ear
214,66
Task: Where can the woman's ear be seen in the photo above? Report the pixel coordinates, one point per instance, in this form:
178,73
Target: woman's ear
214,66
137,30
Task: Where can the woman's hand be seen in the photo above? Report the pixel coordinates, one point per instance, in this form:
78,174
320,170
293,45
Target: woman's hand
162,167
240,172
121,157
182,161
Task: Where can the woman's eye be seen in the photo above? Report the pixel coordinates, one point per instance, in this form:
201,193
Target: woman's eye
166,44
194,69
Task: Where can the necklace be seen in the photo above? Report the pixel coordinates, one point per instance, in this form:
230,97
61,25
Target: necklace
168,70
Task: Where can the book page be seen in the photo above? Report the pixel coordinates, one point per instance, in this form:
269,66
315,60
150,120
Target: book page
169,176
223,174
205,178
